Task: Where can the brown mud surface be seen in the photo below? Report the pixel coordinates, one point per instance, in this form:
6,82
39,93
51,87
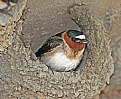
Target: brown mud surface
49,17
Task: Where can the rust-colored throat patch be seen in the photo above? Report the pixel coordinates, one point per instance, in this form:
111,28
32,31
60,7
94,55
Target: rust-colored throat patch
73,45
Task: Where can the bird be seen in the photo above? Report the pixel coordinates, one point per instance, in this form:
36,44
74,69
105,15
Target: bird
5,4
63,51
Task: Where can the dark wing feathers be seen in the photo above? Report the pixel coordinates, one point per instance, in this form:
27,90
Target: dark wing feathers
49,44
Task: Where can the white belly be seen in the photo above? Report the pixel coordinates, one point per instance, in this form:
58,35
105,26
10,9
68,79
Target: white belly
59,62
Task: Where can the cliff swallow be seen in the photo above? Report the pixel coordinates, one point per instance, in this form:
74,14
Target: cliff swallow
63,52
4,4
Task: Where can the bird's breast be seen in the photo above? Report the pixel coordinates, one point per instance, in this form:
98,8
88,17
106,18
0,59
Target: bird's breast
60,62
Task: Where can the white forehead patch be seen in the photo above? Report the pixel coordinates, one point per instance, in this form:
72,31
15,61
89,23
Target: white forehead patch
81,37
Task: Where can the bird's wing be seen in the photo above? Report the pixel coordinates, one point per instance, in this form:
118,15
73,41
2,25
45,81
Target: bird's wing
49,44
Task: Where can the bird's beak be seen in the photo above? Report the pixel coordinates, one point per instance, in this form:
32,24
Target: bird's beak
80,37
83,41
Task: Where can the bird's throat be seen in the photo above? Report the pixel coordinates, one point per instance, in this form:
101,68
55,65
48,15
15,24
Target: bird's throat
73,45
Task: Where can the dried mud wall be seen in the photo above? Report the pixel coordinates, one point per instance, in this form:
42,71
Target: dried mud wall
22,77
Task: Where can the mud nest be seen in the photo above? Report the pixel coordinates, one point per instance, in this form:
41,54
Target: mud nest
22,77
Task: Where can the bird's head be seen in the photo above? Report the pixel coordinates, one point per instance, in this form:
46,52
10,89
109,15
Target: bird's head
76,40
